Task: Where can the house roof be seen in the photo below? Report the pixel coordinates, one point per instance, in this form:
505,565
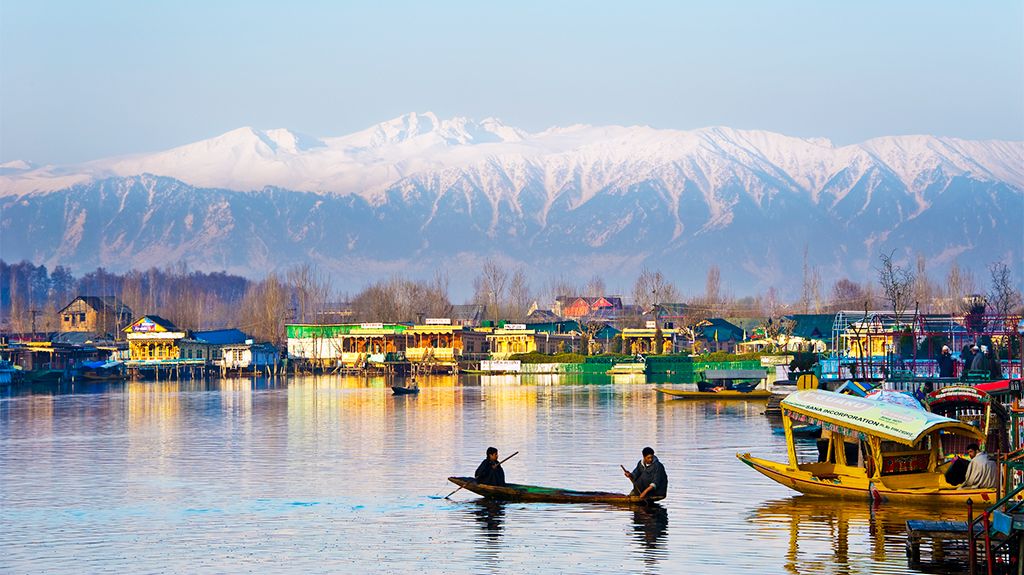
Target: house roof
220,336
599,301
718,329
101,303
471,311
813,325
165,324
748,324
542,315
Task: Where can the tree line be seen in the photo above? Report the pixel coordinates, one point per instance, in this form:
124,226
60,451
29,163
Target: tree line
31,295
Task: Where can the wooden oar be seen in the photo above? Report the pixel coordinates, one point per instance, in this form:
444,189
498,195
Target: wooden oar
499,463
630,477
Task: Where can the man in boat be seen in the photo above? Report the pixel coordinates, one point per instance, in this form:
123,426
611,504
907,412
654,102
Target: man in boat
489,472
982,471
649,477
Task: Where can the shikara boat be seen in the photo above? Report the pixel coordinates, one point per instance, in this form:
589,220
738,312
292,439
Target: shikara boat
535,494
399,390
901,449
756,394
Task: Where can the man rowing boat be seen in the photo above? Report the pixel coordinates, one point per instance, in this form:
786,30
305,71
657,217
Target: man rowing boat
649,477
489,472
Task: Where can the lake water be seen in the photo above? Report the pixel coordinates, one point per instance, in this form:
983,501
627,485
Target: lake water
335,475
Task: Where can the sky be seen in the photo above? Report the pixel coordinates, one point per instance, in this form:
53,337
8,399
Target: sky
87,80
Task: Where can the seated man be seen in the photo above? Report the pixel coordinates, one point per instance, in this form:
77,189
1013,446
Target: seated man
489,472
982,472
649,477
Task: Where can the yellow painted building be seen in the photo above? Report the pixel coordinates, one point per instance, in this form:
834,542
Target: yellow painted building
439,344
641,340
153,338
504,342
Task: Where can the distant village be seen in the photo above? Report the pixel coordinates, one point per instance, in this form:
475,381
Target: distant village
101,336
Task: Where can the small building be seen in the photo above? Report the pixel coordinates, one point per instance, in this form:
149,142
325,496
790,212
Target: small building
345,345
510,340
209,345
469,315
436,343
97,314
250,356
579,306
153,338
642,340
716,334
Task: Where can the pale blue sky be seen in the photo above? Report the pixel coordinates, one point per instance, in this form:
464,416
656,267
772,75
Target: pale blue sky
84,80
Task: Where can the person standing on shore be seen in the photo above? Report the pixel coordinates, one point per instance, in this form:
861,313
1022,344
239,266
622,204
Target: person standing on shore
649,477
945,362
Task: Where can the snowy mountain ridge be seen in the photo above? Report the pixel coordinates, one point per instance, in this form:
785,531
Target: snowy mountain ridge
368,162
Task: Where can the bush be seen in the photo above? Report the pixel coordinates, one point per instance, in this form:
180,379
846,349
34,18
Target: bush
536,357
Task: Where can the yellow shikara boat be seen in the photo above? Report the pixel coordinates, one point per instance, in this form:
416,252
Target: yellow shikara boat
757,394
900,448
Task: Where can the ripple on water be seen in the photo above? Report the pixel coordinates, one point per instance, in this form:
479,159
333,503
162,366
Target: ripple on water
321,475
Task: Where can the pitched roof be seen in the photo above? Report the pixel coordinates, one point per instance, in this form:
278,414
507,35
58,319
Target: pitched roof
167,325
101,303
471,311
220,336
716,328
813,325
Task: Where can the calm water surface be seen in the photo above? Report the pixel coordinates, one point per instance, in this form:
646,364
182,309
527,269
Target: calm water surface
334,474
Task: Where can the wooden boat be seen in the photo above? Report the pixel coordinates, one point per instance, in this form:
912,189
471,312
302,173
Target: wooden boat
399,390
756,394
104,371
902,451
536,494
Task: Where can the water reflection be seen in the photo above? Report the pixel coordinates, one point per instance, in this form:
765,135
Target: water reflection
826,536
311,474
650,524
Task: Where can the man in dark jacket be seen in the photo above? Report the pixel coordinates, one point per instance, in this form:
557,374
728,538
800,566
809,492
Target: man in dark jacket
945,362
489,472
649,477
980,361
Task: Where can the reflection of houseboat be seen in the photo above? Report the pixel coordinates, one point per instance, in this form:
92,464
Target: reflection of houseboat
901,451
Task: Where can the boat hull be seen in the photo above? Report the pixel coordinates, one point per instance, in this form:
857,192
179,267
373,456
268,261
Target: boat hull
536,494
730,394
850,486
404,390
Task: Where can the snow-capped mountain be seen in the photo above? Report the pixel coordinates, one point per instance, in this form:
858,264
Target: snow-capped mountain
416,192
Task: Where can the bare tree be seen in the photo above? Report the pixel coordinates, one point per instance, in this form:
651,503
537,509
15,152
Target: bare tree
959,283
713,287
847,294
651,287
518,295
1002,295
310,289
897,284
811,286
923,288
490,286
595,287
264,309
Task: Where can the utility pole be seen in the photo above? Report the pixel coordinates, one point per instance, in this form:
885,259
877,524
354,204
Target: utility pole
33,313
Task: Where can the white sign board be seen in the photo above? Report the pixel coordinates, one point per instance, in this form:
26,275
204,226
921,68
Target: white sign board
515,326
501,365
439,321
651,324
371,325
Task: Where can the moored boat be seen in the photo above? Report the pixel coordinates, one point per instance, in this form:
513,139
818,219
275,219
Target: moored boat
901,451
756,394
537,494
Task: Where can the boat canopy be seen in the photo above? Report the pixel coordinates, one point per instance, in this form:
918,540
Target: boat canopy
863,418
